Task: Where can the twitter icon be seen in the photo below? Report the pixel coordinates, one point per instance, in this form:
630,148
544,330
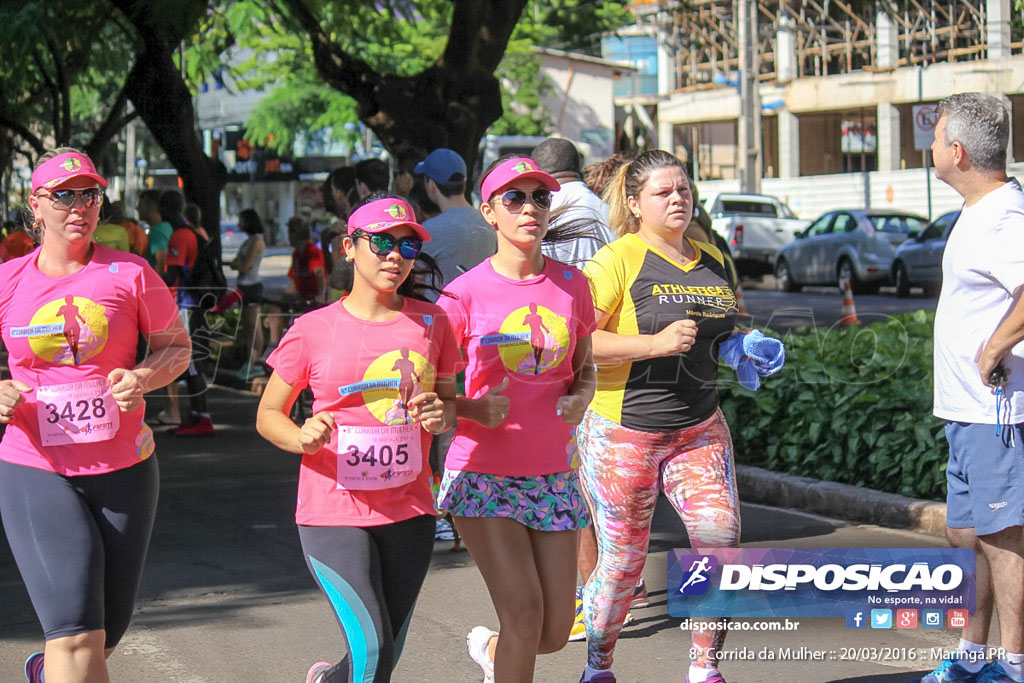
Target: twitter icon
881,618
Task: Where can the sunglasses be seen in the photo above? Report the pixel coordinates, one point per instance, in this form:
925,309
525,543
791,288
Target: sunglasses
382,244
66,199
513,200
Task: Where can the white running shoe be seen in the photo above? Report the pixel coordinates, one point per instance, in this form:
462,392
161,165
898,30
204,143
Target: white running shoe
476,643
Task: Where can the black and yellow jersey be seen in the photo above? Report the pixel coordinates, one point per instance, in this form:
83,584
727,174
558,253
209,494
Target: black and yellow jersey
644,291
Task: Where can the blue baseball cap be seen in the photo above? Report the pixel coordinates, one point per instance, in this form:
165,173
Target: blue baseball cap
440,165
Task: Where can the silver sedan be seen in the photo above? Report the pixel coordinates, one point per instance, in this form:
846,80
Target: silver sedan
851,244
918,261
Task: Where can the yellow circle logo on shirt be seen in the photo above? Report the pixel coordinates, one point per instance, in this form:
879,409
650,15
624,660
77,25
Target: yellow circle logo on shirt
532,340
67,331
390,382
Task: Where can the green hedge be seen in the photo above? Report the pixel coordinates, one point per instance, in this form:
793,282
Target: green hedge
852,405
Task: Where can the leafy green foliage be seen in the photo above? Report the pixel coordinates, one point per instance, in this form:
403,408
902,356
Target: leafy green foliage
397,37
574,25
566,25
301,109
852,405
60,85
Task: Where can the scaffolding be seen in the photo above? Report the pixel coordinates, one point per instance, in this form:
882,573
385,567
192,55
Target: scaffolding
829,36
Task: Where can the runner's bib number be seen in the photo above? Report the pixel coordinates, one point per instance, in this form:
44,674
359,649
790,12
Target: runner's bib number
373,458
79,412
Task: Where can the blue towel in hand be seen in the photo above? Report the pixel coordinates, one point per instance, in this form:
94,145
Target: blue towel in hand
766,353
752,356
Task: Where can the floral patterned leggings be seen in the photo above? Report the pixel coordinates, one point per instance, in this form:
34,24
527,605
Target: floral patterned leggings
621,471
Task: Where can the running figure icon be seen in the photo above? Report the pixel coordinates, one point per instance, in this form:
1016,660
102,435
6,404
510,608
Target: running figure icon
69,311
409,381
698,573
537,329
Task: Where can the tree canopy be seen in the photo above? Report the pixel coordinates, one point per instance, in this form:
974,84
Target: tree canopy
393,39
60,90
420,73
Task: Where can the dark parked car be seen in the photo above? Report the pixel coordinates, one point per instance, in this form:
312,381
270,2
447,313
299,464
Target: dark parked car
848,244
918,261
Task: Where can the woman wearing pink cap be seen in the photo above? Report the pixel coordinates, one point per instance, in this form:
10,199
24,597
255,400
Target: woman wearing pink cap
524,322
78,480
381,367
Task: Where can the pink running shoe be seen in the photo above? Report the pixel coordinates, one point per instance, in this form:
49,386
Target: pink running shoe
714,677
640,599
317,672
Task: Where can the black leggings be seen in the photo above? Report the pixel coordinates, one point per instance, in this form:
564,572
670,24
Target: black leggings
80,543
372,577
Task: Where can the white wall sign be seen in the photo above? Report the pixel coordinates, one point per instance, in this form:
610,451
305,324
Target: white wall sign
925,118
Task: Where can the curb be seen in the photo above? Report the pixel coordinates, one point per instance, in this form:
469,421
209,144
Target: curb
841,501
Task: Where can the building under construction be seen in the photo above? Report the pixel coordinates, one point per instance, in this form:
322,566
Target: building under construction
839,85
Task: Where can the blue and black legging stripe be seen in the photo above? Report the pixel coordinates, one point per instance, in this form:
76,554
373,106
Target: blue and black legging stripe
372,577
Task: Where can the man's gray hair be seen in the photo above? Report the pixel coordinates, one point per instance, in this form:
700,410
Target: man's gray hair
981,124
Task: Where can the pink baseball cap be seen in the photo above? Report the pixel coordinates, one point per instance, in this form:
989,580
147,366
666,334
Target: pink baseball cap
63,168
384,214
512,170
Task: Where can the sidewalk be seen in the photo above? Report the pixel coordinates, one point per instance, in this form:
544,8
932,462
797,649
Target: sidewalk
226,597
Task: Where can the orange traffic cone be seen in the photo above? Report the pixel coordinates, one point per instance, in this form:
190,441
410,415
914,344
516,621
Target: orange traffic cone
741,307
848,314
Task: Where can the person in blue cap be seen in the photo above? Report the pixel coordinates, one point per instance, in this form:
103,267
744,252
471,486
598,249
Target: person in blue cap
460,238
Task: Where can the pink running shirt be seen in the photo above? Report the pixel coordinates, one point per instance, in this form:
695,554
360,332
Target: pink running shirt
525,330
77,328
358,371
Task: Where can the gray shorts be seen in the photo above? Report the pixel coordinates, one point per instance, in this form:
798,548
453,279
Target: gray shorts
984,477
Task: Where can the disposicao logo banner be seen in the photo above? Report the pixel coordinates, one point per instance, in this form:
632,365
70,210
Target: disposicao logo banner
816,582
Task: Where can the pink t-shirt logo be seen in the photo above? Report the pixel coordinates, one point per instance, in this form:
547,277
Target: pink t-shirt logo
67,331
531,340
390,382
390,456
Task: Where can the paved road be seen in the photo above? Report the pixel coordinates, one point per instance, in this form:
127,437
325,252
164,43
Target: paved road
227,599
781,311
822,306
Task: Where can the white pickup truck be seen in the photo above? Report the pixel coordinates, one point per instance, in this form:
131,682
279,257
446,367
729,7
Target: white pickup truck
755,226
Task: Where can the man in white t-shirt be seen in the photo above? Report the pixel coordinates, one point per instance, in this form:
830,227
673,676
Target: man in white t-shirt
573,205
979,327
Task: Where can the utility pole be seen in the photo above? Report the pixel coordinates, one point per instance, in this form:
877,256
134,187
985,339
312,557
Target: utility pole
131,172
749,128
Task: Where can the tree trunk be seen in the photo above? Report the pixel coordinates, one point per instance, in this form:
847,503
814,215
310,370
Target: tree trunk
451,104
164,103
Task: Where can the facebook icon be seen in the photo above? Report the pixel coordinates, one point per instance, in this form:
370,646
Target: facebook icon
856,619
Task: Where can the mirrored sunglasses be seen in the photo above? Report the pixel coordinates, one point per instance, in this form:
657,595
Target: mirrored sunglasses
382,244
66,199
513,200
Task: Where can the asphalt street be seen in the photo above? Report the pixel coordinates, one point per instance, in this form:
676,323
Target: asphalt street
822,306
780,311
226,597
